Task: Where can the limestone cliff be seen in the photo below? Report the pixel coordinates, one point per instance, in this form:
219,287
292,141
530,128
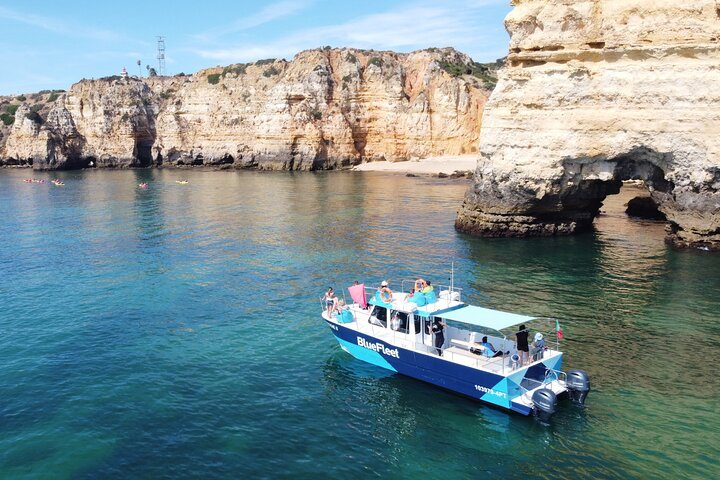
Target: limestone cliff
595,92
327,108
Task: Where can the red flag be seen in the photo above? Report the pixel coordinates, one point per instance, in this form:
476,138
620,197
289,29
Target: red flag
558,330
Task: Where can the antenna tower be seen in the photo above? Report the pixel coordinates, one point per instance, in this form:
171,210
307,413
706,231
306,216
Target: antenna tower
161,55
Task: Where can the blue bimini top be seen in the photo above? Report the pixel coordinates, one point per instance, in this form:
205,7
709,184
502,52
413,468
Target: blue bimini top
485,317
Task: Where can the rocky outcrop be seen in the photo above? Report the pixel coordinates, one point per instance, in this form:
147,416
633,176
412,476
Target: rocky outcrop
327,108
594,93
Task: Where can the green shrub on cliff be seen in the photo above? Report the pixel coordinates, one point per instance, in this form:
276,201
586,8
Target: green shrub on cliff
477,70
238,69
213,78
111,78
7,119
21,98
377,61
52,97
350,58
265,61
11,109
271,71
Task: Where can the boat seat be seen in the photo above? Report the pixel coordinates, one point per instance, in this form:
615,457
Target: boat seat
467,345
481,361
466,353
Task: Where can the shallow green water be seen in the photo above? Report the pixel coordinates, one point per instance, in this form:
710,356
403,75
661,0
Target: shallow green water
174,332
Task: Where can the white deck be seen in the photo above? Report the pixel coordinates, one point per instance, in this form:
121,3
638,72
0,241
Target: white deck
558,386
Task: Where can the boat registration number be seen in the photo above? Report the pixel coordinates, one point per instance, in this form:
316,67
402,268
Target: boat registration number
480,388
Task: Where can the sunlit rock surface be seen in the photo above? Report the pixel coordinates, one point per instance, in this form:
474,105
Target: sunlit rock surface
594,93
327,108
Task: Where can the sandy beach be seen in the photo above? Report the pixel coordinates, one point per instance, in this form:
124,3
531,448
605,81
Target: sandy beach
446,164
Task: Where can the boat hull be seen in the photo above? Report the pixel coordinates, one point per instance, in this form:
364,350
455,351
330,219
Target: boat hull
497,390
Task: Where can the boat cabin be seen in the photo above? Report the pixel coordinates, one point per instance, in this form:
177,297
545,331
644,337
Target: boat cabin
406,321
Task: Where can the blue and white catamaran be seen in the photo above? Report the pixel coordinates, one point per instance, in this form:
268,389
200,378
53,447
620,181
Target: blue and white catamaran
403,335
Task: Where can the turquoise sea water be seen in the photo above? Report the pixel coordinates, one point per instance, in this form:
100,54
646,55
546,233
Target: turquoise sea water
174,332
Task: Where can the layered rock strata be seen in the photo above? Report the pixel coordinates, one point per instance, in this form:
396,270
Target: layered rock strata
327,108
594,93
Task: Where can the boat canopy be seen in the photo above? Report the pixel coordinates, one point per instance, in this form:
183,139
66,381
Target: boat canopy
485,317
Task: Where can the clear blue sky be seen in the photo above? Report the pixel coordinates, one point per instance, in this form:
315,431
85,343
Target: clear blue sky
52,44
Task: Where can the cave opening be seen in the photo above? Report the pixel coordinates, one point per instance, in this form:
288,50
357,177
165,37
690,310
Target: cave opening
637,176
143,152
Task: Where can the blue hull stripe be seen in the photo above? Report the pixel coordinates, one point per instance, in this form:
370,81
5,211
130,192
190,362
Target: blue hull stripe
488,387
365,355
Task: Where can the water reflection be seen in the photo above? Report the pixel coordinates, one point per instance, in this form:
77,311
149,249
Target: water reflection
196,306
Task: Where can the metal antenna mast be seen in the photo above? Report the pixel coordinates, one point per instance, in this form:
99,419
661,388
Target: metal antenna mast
161,55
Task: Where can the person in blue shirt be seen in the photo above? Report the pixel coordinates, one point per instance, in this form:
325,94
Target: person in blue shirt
490,351
537,348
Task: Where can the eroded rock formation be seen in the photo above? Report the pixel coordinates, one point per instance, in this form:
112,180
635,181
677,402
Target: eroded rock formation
596,92
327,108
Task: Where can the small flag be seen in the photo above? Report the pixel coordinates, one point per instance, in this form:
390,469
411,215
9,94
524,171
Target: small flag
558,329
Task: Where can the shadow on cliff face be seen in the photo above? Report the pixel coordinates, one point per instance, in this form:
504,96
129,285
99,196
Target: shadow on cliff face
586,183
143,152
500,206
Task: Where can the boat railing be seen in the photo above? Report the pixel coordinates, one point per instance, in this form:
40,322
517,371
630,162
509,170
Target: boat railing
554,375
480,362
550,376
436,287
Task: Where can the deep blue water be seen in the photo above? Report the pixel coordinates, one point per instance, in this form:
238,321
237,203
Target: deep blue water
174,332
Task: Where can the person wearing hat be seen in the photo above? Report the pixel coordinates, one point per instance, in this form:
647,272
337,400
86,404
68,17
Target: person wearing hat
538,346
386,295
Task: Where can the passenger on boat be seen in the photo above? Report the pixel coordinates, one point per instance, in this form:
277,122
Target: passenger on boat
330,301
538,347
427,288
489,350
419,284
522,344
438,327
386,295
340,306
395,322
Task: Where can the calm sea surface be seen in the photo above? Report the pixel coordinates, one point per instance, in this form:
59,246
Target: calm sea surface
174,332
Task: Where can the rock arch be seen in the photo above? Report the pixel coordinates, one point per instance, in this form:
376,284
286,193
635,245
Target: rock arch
567,202
582,105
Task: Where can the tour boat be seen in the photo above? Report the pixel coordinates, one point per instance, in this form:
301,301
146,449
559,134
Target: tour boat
398,335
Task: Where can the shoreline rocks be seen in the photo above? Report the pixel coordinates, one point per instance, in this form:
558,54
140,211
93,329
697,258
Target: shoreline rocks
595,93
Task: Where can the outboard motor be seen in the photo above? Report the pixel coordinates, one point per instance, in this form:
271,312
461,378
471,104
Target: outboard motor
545,402
578,385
